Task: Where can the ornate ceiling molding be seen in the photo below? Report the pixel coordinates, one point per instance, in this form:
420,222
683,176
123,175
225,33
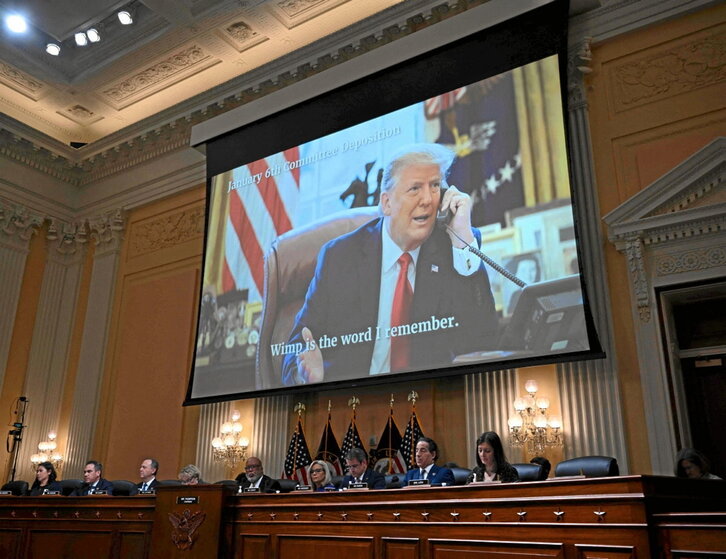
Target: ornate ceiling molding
78,170
21,82
163,73
166,231
17,221
664,73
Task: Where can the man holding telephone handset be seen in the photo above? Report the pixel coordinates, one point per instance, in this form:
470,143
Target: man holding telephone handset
404,282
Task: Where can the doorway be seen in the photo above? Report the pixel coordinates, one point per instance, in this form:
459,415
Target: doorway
694,320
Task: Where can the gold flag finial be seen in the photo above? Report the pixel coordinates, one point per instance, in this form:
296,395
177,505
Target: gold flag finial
299,408
412,397
391,401
328,406
353,402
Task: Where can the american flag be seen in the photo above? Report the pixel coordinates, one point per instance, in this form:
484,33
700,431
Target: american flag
298,456
435,105
352,439
259,212
328,449
410,436
389,447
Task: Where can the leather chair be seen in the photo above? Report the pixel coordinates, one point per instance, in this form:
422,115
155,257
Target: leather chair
227,482
169,482
19,487
393,481
528,472
289,267
124,488
287,485
69,485
588,466
460,475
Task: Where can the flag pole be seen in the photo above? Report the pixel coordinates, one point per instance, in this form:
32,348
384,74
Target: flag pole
412,397
390,436
299,408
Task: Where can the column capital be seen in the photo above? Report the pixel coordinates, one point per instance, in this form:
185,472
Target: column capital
18,223
107,230
579,58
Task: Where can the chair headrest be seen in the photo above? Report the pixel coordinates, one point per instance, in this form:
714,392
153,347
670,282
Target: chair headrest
528,472
589,466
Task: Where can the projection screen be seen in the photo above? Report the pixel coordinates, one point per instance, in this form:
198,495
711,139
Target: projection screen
310,208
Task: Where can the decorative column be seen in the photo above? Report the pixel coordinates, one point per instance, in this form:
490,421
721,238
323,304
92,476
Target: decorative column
107,234
17,226
269,432
489,398
49,347
589,396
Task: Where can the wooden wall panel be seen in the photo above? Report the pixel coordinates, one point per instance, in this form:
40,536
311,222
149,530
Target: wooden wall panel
10,540
253,545
325,547
482,549
605,552
400,548
86,544
133,544
655,97
151,340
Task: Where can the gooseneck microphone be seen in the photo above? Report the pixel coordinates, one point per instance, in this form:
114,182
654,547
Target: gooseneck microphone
506,273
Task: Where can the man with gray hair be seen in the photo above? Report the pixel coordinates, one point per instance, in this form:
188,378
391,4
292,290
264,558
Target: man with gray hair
409,290
147,472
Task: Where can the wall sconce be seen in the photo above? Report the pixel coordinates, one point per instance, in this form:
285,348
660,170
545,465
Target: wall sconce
531,426
230,447
48,453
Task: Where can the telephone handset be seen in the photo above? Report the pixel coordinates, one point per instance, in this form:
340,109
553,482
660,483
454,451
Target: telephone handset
443,218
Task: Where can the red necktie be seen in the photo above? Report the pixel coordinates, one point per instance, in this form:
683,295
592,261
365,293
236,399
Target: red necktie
402,297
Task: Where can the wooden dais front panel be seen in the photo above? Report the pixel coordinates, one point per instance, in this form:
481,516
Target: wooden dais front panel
76,527
578,518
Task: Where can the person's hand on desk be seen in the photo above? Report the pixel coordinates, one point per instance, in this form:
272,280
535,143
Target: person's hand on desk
310,366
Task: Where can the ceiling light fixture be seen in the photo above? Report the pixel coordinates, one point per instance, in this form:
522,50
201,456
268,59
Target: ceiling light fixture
93,35
16,23
125,17
81,39
52,49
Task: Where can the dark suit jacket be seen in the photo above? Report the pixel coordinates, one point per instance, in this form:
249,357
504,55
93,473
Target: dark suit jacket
374,480
437,475
38,490
267,484
102,485
153,485
343,299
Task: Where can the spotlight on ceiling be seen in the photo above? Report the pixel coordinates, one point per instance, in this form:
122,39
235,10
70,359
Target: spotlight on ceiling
81,39
16,23
52,49
125,17
93,35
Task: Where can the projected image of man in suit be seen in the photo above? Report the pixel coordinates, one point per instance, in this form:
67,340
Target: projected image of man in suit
409,290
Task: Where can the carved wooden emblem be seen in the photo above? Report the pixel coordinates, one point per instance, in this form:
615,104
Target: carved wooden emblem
185,525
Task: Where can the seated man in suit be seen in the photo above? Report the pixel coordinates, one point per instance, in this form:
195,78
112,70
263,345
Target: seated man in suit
410,287
147,472
356,462
92,480
426,453
254,476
